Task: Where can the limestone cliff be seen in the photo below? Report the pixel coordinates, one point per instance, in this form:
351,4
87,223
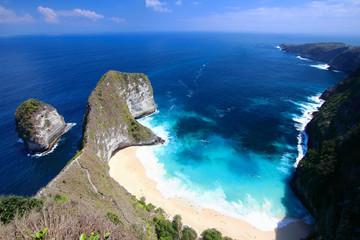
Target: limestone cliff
109,122
327,179
338,55
109,125
38,124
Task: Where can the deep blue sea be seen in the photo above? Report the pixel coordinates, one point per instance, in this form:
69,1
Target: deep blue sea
231,107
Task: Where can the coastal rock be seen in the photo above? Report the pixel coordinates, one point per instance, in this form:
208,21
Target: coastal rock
108,126
327,179
109,122
338,55
38,124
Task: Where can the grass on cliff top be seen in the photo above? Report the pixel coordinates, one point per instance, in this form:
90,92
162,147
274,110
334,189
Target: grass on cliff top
23,114
24,111
63,220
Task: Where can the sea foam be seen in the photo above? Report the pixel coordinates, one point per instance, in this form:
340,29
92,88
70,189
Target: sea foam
248,210
37,155
304,59
321,66
307,109
258,213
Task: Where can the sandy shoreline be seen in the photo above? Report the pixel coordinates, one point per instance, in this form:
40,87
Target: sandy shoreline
129,172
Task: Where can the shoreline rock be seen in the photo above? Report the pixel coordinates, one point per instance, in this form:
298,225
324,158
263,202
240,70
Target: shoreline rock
327,179
39,125
339,56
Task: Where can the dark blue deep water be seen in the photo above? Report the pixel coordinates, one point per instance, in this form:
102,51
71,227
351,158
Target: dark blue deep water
227,104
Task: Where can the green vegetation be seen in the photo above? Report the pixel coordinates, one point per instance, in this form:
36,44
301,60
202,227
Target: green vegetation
166,230
135,129
213,234
23,121
142,204
115,218
326,178
10,206
95,237
60,199
39,235
188,233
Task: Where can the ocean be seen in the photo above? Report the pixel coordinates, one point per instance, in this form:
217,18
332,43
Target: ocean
231,107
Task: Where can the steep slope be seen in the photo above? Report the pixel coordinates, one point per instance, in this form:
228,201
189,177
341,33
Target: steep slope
327,179
38,124
338,55
107,127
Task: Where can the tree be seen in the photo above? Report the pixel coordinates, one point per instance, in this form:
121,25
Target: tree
188,234
177,225
211,234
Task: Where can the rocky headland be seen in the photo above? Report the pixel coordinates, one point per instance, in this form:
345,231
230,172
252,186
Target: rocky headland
39,125
109,125
338,55
327,179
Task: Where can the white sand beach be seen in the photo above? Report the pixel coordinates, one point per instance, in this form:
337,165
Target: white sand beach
129,172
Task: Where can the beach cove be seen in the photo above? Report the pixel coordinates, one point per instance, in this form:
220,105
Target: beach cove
128,171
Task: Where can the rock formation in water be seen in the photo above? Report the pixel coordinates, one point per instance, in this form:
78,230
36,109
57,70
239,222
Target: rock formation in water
339,56
109,125
39,125
109,122
327,179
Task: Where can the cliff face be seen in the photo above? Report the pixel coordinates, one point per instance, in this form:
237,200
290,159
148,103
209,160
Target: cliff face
38,124
109,125
109,122
338,55
327,179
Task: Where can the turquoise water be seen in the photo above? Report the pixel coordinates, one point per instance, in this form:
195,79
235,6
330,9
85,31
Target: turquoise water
212,172
231,108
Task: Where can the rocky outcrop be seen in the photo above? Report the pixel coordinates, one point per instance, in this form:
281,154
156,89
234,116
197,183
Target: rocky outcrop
339,56
327,179
109,122
109,125
39,125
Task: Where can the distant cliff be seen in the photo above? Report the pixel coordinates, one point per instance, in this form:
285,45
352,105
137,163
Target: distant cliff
38,124
339,56
327,179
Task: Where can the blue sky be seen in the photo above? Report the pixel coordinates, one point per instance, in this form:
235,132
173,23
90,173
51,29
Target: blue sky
261,16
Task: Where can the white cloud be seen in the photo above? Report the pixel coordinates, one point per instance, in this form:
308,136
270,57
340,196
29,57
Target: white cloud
117,19
50,15
9,16
179,2
157,5
329,16
81,13
196,2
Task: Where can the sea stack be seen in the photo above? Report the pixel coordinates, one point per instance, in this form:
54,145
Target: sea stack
39,125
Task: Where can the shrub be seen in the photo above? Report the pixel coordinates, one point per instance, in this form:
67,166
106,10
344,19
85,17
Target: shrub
164,228
188,234
9,206
115,218
172,230
211,234
39,235
60,199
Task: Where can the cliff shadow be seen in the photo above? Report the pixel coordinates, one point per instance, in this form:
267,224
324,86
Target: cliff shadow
293,230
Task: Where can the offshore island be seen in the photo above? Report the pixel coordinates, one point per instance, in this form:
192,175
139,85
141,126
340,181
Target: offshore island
88,193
